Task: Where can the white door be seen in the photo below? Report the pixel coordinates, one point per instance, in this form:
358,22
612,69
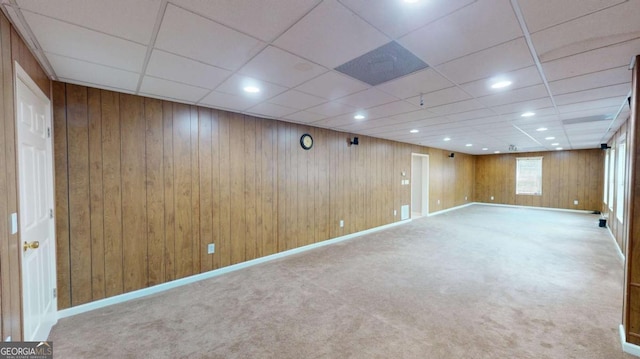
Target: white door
37,230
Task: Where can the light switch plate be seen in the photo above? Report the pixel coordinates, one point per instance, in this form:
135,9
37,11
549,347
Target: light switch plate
14,223
211,248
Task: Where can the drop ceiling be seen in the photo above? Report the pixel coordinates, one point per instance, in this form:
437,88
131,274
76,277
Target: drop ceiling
567,61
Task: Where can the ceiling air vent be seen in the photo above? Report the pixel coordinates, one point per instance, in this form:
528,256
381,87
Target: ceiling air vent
386,63
575,121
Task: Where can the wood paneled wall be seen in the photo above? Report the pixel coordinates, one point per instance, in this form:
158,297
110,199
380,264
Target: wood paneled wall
12,48
566,176
144,185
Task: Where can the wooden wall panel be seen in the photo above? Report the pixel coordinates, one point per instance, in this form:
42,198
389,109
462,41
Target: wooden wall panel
567,176
177,177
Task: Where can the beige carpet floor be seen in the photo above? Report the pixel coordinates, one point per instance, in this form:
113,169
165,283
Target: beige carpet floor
479,282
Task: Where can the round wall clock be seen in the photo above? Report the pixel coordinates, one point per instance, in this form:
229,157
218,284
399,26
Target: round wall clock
306,141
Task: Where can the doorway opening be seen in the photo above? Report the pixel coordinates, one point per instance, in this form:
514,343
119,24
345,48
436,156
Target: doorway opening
419,185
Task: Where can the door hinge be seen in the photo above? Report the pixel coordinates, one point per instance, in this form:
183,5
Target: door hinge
49,132
50,213
55,292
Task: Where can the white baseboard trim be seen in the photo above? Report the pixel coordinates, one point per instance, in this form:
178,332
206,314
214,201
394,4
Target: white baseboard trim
615,242
450,209
83,308
534,207
628,347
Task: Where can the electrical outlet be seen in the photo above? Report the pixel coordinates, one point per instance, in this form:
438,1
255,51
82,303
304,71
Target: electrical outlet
438,201
211,248
575,202
465,198
492,198
395,213
8,339
341,223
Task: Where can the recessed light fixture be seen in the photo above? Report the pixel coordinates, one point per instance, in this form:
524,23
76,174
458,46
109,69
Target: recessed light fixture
549,138
501,84
446,139
558,148
541,129
528,114
496,151
469,145
359,116
485,149
251,89
555,144
414,131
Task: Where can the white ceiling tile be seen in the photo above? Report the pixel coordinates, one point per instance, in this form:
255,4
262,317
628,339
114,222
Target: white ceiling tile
338,121
471,115
100,86
270,110
540,14
181,69
173,90
591,105
515,96
456,107
592,61
618,75
261,19
607,111
412,116
389,109
235,86
524,106
190,35
332,109
476,27
332,85
569,38
135,24
593,94
281,67
525,77
489,63
367,98
330,44
297,99
304,117
64,39
440,97
228,102
424,81
396,18
98,75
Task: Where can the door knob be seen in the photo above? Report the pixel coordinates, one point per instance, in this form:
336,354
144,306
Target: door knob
32,245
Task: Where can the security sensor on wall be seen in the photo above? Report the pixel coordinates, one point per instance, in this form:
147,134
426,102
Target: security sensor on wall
451,155
354,141
604,146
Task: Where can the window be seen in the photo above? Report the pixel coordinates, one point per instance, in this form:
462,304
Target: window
605,193
529,175
620,181
612,167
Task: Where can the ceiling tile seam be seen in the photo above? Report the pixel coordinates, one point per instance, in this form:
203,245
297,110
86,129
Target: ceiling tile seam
152,42
531,137
613,120
91,84
38,50
594,49
588,73
177,82
594,88
82,26
434,20
90,62
580,16
191,59
518,11
295,22
169,98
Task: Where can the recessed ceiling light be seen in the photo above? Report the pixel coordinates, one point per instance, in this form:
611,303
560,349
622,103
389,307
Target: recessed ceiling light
446,139
251,89
549,138
469,145
555,144
414,131
359,117
496,151
501,84
528,114
558,148
541,129
485,149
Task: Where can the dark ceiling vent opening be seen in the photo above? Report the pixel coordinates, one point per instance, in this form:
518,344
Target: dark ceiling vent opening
386,63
